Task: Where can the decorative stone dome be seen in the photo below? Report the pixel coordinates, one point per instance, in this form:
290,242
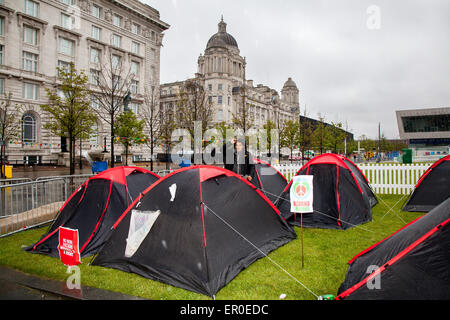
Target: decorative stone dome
290,84
222,38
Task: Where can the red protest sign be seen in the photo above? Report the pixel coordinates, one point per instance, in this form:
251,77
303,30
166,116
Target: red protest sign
68,247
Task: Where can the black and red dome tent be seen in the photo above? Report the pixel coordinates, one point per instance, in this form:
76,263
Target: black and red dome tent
196,229
269,180
94,207
342,196
432,188
412,264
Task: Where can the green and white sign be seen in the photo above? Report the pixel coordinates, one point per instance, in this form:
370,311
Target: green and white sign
302,194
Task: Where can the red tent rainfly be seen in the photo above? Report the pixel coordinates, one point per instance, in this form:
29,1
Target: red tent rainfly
269,180
411,264
94,207
342,195
432,188
196,229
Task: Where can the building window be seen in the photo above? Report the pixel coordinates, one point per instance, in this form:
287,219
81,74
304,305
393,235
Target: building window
135,28
210,99
134,86
29,61
152,54
219,99
66,21
219,115
30,35
115,61
93,138
426,123
95,102
2,86
28,128
229,100
133,106
219,87
96,11
31,8
1,53
2,25
96,33
95,55
210,87
62,94
153,73
115,82
69,2
94,76
63,65
117,20
66,46
116,40
30,91
135,47
135,68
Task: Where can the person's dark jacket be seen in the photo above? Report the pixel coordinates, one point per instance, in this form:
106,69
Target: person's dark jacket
244,167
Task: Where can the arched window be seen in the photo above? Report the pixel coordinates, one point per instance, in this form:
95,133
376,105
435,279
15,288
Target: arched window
28,128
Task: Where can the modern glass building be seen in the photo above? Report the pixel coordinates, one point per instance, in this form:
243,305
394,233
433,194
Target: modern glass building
425,127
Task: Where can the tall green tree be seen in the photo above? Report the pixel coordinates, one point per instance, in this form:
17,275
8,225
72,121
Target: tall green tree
268,127
69,107
222,127
9,126
289,135
112,85
320,134
166,126
194,105
129,131
150,114
335,137
194,108
306,135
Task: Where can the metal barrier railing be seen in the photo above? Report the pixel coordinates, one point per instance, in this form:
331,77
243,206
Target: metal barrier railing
28,204
14,181
72,182
25,203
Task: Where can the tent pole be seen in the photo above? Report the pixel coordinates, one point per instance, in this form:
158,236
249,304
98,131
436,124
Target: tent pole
301,235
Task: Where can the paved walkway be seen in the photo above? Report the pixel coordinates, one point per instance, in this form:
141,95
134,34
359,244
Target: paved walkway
16,285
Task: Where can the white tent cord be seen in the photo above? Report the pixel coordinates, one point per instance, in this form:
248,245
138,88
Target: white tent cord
316,211
392,208
271,260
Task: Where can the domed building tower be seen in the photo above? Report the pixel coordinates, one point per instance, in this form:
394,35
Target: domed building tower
290,94
222,68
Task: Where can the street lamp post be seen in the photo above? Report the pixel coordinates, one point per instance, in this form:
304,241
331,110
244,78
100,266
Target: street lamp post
104,145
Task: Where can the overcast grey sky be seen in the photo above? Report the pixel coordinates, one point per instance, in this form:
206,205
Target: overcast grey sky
345,70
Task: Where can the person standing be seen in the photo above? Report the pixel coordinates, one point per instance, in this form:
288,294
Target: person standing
243,163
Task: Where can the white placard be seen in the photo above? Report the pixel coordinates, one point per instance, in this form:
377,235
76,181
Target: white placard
301,193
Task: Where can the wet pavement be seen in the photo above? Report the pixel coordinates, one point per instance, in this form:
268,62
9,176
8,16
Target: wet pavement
16,285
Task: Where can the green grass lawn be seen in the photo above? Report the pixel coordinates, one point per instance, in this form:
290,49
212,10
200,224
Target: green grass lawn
326,253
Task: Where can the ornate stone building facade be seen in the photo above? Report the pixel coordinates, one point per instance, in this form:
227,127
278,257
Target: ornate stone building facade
222,70
37,36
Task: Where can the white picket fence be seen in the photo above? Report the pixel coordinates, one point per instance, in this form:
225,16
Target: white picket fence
384,178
